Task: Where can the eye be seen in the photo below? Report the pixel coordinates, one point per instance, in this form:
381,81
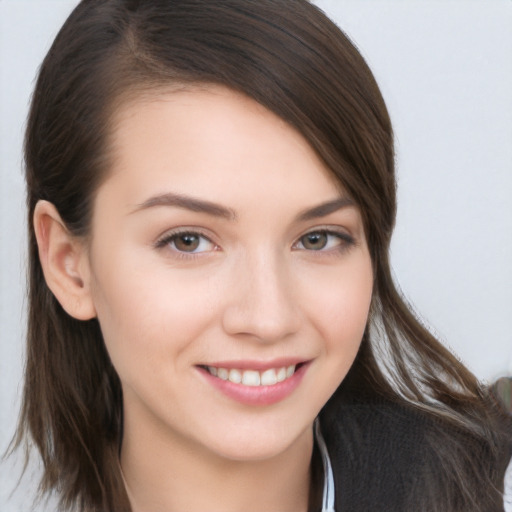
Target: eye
187,242
323,240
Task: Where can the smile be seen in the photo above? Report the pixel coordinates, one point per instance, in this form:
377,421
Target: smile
269,377
255,384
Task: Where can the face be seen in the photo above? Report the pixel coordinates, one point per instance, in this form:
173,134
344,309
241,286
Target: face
229,273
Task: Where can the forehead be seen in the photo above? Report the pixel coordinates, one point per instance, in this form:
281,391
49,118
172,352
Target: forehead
212,141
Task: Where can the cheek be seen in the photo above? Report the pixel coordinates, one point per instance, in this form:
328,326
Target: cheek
146,316
341,310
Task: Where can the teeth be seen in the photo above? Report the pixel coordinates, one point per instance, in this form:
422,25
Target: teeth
281,374
268,378
235,376
222,373
253,377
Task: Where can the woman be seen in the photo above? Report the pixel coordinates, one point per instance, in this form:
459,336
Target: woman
212,196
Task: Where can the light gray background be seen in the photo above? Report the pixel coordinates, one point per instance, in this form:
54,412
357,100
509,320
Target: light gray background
445,69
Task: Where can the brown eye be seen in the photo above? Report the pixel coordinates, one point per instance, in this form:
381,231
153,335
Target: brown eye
324,240
314,241
187,242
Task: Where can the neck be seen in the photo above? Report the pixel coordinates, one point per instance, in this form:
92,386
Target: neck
166,473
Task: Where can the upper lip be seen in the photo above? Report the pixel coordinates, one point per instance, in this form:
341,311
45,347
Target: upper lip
247,364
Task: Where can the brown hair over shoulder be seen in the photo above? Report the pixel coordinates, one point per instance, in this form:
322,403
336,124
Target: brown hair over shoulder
288,56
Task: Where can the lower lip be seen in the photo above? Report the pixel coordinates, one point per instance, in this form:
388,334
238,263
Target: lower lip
257,395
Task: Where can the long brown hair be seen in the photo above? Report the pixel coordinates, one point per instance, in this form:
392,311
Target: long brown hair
289,57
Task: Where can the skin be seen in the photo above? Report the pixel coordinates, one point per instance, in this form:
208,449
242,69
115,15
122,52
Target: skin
254,289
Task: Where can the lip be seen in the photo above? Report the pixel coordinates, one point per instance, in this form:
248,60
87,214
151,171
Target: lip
258,365
257,395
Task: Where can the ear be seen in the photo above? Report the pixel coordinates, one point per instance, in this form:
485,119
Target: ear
65,262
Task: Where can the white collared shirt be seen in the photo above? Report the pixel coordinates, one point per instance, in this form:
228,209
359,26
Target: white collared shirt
328,493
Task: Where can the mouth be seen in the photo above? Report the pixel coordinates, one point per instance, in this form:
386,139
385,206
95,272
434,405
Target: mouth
254,377
256,383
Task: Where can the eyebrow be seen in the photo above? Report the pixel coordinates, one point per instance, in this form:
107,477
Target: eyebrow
188,203
324,209
217,210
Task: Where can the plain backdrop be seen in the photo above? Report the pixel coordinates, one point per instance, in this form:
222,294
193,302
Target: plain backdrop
445,69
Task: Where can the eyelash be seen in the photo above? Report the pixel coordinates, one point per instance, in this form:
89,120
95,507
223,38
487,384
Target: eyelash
345,241
170,238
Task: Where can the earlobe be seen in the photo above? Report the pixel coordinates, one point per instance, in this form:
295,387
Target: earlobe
64,261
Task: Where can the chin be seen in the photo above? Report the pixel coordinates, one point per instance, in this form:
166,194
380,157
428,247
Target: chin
255,443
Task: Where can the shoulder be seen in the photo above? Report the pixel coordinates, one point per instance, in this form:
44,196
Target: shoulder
375,450
391,456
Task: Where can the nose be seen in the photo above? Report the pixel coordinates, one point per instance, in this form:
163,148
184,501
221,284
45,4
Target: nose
263,304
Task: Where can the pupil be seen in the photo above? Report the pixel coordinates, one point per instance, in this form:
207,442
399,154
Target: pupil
315,241
187,242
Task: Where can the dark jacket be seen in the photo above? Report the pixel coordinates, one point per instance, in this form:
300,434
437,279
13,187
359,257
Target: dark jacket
391,457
